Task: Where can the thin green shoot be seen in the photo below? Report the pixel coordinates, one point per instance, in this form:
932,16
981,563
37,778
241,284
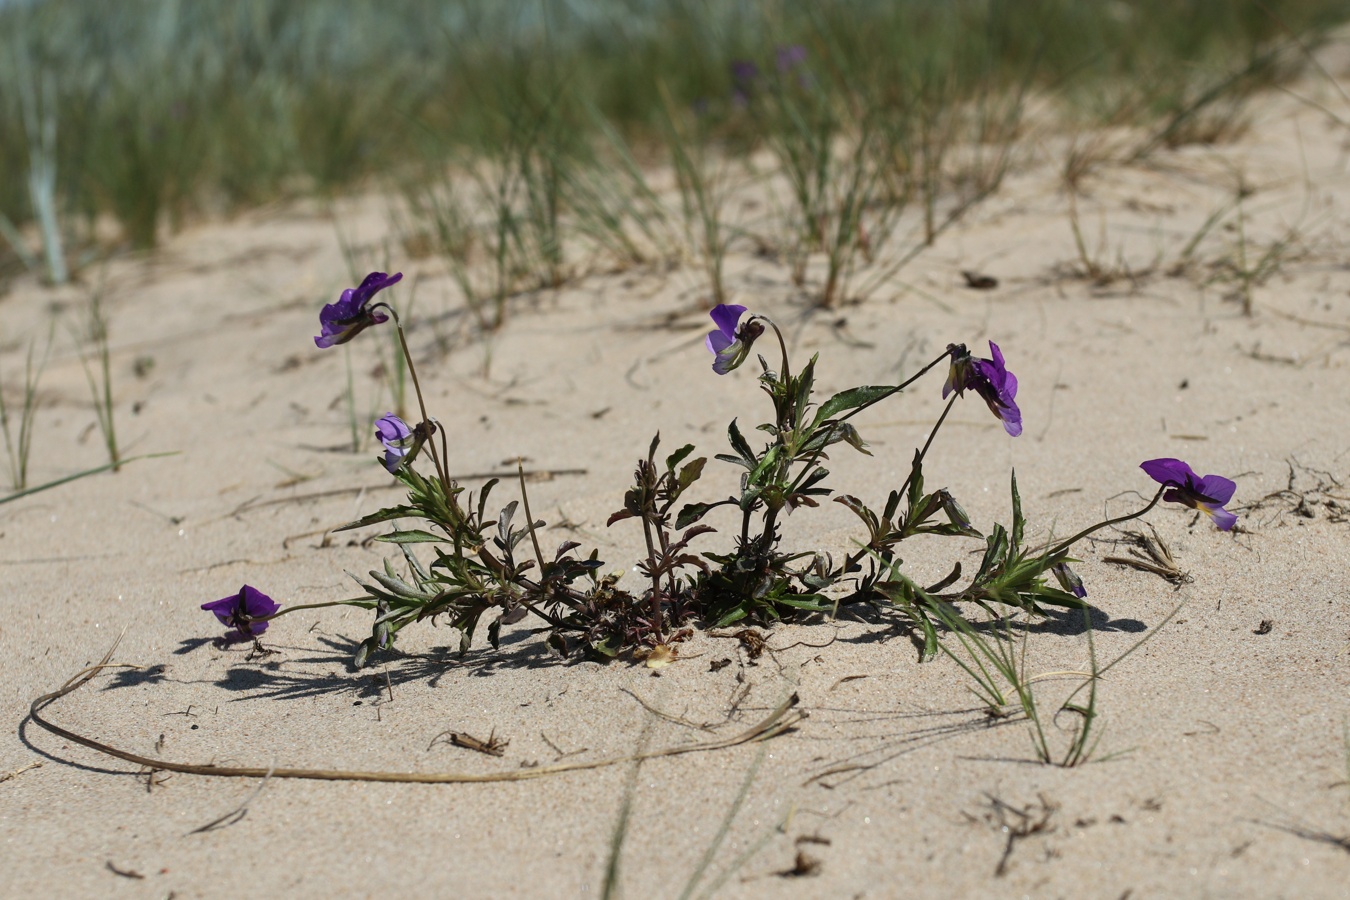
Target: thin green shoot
18,446
720,836
19,495
609,890
1083,744
99,375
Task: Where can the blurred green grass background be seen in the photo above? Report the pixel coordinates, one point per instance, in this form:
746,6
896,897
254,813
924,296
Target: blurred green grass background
147,113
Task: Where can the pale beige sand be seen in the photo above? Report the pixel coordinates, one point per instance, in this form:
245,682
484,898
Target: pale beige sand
1221,742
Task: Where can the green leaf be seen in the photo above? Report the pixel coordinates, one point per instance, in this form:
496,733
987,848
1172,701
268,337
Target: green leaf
1018,522
817,475
483,495
690,473
740,445
387,514
735,460
813,602
915,482
678,456
401,589
1056,597
608,646
853,398
996,549
691,513
412,537
734,614
802,385
766,464
861,511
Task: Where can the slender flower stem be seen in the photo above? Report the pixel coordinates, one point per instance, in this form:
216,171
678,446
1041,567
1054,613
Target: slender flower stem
656,582
529,517
899,387
290,609
853,559
1065,545
782,346
417,386
928,443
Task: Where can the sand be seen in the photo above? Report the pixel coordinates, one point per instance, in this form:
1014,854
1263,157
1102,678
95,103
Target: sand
1222,757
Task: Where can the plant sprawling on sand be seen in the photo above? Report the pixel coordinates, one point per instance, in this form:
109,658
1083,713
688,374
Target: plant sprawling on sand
493,566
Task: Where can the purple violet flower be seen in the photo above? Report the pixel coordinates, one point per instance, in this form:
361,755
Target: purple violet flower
1207,494
729,344
990,379
242,611
789,57
744,73
1069,580
397,439
349,316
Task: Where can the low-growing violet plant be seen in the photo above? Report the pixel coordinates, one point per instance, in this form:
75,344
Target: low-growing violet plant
493,567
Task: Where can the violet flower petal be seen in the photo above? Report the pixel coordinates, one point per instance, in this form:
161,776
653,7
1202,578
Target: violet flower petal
397,439
729,344
241,612
1069,580
716,341
725,316
1168,469
1222,518
789,56
1215,488
1207,494
727,358
348,317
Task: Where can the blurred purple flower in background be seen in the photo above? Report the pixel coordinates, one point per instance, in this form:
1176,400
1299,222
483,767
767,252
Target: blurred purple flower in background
241,611
1207,494
990,379
396,437
744,74
789,57
348,317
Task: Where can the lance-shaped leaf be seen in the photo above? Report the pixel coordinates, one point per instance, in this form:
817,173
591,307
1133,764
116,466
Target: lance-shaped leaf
678,456
388,514
412,537
741,446
853,398
691,513
690,473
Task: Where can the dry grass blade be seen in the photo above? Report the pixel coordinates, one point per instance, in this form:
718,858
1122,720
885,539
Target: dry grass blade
669,717
492,746
780,720
1151,555
237,814
20,770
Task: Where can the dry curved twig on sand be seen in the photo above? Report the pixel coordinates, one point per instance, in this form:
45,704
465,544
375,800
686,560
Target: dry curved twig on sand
783,718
